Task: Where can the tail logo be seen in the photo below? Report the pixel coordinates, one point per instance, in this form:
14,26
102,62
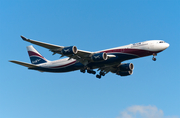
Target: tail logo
36,58
36,61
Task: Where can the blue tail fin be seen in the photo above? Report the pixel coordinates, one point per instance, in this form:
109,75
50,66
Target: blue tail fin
35,56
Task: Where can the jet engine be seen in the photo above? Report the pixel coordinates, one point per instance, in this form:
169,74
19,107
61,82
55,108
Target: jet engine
126,67
99,57
124,73
69,50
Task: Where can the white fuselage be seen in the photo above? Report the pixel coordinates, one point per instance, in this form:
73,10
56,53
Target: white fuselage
137,50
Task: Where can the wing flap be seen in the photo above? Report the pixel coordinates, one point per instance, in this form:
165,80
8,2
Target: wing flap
84,54
24,64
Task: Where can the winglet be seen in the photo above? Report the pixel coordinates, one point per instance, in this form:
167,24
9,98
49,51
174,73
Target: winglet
24,38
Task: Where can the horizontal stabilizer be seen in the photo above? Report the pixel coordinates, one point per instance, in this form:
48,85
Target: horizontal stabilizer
24,64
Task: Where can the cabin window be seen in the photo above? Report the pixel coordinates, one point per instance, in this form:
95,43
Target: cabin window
161,42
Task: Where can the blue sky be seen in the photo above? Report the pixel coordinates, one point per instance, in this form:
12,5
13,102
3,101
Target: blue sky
153,91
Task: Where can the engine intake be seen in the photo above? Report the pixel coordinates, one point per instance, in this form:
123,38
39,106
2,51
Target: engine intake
126,67
99,57
69,50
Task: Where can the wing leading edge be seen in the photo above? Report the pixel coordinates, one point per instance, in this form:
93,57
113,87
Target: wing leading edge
42,44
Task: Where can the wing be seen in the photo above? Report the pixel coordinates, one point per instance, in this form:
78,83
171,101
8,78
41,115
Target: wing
42,44
24,64
82,56
107,69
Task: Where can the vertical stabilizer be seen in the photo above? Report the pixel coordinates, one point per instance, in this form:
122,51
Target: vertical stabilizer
35,56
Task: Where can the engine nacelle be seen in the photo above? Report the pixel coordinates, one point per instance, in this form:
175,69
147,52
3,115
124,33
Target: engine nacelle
126,67
124,73
69,50
99,57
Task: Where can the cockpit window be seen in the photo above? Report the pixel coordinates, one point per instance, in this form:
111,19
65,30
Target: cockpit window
161,42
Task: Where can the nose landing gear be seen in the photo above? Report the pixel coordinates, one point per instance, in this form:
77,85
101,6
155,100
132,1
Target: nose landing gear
154,58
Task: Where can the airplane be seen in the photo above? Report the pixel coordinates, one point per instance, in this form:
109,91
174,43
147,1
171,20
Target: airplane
105,61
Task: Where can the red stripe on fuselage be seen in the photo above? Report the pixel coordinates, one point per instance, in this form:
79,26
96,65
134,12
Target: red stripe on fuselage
64,65
137,52
34,54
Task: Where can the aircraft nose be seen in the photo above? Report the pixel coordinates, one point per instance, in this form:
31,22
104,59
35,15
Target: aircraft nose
166,45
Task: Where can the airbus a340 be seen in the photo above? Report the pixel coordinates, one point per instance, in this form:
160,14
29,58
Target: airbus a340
109,60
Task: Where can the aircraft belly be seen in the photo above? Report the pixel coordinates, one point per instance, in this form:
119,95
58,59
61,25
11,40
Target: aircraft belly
73,67
113,61
77,65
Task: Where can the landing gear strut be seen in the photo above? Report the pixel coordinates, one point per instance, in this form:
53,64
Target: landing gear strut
83,70
100,74
91,71
154,54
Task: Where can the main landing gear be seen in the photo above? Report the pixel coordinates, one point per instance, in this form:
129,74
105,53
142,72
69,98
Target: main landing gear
100,74
154,54
91,71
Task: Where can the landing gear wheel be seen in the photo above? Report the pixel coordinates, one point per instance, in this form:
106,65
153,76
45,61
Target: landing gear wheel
83,71
94,72
91,71
154,59
102,73
154,54
98,76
